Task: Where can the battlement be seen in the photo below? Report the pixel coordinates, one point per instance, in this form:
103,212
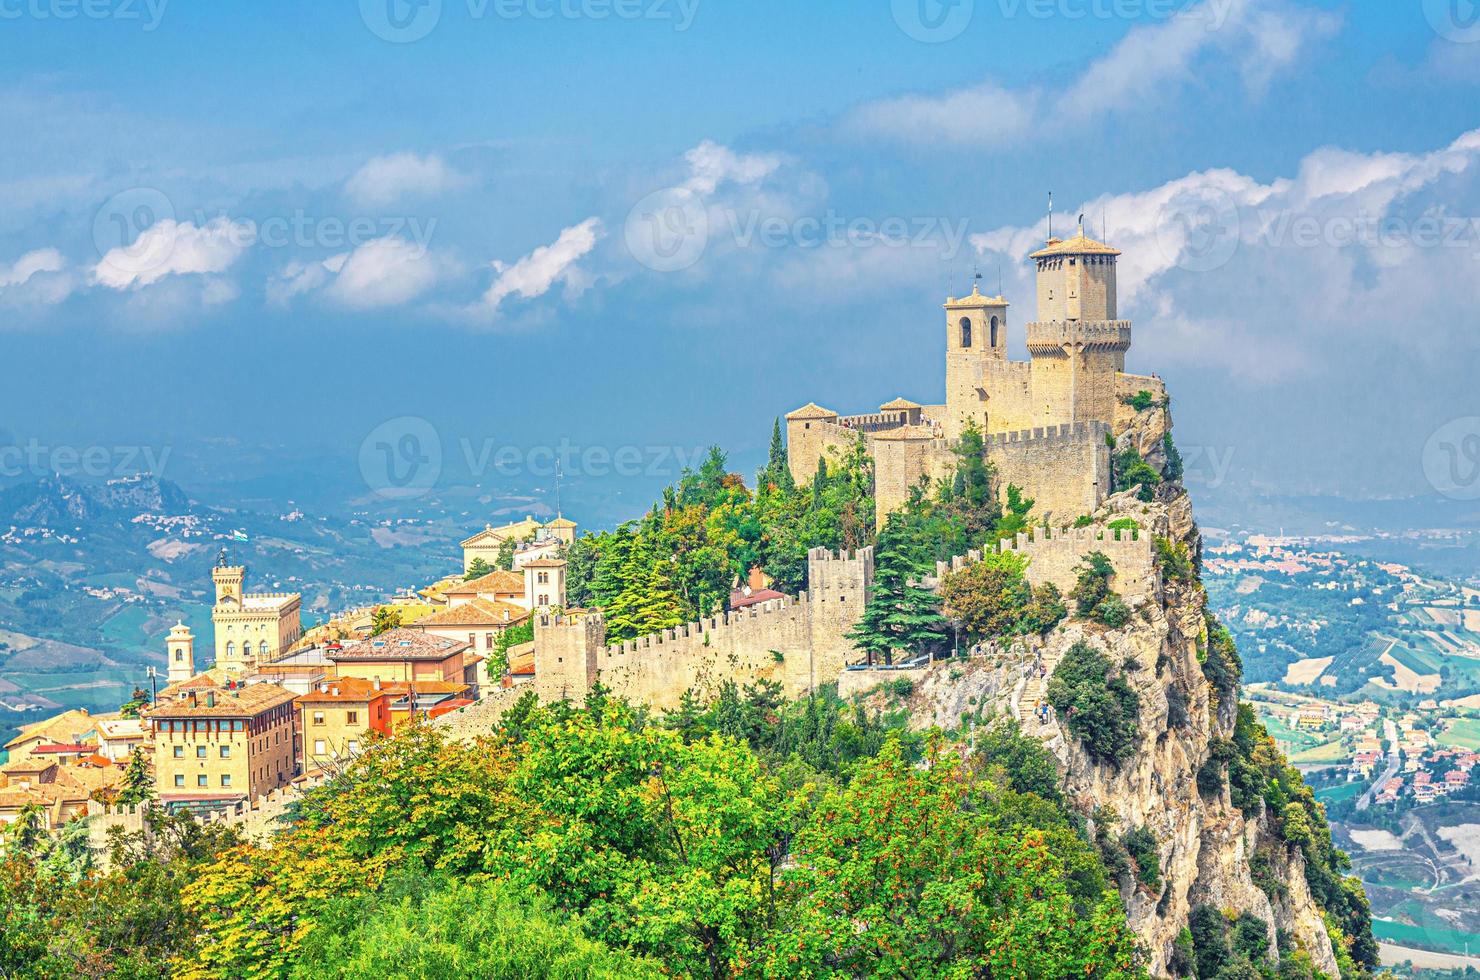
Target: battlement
1055,556
877,422
1050,435
704,627
1103,335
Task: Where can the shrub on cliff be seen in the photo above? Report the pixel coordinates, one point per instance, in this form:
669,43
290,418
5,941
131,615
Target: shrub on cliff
1096,703
992,598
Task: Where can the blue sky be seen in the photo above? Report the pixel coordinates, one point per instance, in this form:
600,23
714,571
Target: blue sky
318,229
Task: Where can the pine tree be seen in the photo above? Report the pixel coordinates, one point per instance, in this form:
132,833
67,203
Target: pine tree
138,782
899,614
777,470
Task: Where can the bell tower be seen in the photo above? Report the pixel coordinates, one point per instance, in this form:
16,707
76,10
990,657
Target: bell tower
180,649
229,581
976,333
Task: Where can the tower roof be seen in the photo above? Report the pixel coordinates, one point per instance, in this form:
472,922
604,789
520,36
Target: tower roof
1080,244
976,299
811,410
898,405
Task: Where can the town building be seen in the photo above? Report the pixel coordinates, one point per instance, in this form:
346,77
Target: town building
338,718
216,744
410,655
251,627
488,543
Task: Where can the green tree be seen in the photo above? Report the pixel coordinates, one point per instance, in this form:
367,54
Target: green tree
384,619
906,875
455,929
138,782
1096,703
900,614
477,568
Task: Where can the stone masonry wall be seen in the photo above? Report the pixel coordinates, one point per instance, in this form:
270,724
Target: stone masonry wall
1064,468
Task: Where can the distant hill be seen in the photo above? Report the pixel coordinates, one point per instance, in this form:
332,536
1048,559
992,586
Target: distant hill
55,500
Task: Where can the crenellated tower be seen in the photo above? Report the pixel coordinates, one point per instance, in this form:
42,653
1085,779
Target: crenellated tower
976,337
1077,344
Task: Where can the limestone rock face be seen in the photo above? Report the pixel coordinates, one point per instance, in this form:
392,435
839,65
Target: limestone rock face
1206,843
1146,432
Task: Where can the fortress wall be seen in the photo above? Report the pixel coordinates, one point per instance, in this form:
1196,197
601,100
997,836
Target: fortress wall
800,642
1055,556
564,655
736,646
898,466
478,719
877,422
810,440
837,589
963,401
1064,468
1009,395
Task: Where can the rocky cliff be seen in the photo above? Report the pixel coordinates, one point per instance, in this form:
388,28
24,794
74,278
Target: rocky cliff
1210,850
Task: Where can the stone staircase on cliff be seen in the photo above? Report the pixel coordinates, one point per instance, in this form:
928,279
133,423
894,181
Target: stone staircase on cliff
1034,693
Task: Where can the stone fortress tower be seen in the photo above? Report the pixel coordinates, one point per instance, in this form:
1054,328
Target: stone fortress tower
251,628
1047,420
180,650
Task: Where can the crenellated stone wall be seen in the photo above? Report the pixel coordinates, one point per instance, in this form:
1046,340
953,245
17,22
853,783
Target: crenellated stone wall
798,642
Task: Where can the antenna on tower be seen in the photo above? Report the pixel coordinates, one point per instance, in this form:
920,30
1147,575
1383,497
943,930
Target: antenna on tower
1050,214
999,275
1104,233
558,513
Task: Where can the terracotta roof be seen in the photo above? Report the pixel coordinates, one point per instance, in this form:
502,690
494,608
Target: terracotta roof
499,581
246,701
57,749
905,432
522,665
899,404
478,612
1078,245
738,601
67,725
811,410
356,689
561,522
975,299
545,563
516,529
401,644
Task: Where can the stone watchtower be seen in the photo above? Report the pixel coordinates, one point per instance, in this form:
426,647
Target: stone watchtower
180,650
976,334
1078,345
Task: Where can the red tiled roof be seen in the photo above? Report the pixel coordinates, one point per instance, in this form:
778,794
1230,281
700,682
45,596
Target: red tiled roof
739,600
57,749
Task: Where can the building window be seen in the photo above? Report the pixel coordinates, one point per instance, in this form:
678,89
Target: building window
180,780
544,578
225,751
995,340
488,641
179,752
203,781
318,717
179,656
226,781
230,648
354,746
200,751
352,717
966,331
262,648
318,746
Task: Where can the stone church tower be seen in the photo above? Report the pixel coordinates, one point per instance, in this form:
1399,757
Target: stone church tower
180,649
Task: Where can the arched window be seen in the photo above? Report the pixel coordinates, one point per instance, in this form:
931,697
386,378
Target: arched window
262,648
966,331
995,340
230,648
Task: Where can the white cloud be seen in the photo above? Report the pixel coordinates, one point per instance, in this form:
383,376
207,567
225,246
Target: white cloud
549,265
711,165
1261,37
28,265
171,248
386,179
384,272
1278,279
38,278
